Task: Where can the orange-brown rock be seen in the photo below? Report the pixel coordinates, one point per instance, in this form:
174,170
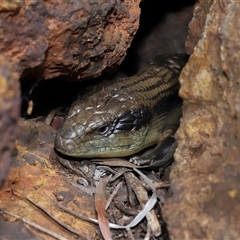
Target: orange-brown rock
78,38
9,113
206,174
196,26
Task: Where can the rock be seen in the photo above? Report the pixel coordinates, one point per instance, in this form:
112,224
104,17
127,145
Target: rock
59,38
206,174
196,26
9,113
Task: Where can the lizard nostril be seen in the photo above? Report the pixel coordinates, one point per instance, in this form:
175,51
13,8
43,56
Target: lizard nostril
67,133
69,145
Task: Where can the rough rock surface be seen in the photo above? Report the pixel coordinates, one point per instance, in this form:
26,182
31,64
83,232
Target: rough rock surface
9,112
206,174
61,37
196,26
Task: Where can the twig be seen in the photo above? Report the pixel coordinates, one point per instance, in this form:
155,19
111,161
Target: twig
158,185
86,189
162,184
45,230
106,168
131,196
143,199
149,205
148,234
59,222
119,174
129,234
67,165
92,220
48,120
113,195
127,210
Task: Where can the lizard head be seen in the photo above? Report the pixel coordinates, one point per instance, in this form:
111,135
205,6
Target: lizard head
103,125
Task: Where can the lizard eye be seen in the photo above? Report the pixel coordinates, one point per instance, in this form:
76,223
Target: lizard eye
103,130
